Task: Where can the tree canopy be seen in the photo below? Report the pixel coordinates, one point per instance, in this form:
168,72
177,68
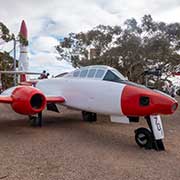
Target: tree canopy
133,48
6,62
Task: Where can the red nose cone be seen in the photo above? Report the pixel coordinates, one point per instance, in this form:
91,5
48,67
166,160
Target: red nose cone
137,101
23,30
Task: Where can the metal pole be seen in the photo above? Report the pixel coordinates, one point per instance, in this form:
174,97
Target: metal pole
14,61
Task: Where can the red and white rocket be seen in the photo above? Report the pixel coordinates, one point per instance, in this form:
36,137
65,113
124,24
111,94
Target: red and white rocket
23,57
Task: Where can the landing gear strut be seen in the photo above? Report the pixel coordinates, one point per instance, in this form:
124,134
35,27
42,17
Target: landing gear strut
89,116
151,138
36,120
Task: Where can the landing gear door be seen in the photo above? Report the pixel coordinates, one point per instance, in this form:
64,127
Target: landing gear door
120,119
157,127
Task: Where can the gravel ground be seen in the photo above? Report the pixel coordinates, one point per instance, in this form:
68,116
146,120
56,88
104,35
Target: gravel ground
66,148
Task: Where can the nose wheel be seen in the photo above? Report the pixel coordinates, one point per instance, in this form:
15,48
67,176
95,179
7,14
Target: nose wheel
144,138
151,138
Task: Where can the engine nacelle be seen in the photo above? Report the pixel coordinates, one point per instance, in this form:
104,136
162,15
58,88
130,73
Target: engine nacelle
28,100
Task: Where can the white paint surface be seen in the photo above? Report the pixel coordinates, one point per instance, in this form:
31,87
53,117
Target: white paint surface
86,94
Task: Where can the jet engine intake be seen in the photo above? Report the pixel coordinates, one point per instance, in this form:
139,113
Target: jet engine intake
36,101
28,100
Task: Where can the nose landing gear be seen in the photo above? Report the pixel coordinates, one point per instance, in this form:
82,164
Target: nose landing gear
151,138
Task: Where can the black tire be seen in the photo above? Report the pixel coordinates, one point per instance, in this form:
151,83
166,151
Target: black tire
33,121
36,120
89,116
144,138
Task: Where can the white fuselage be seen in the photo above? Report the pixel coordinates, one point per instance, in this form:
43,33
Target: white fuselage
86,94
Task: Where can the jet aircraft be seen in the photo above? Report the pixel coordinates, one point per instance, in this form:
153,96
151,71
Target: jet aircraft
97,89
92,90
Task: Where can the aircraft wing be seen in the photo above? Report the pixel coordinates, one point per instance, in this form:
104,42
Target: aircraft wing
55,99
51,99
5,99
28,100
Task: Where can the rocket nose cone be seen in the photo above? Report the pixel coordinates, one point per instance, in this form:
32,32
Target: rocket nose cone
23,30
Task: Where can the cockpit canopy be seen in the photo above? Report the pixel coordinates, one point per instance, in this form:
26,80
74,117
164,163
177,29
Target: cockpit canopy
97,72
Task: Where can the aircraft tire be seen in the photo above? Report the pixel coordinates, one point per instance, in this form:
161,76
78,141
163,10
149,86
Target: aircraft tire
36,120
33,121
89,116
144,138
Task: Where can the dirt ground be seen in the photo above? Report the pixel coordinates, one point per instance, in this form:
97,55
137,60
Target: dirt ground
66,148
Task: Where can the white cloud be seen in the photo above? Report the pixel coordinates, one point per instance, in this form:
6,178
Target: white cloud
48,19
48,61
6,46
44,43
76,15
170,16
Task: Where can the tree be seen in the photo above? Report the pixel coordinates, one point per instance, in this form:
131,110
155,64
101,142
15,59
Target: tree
4,33
134,49
6,61
6,64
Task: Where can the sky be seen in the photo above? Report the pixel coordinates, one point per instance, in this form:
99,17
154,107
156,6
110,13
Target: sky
49,21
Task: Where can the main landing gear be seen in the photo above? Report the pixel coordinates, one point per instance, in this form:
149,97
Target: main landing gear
151,138
89,116
36,121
